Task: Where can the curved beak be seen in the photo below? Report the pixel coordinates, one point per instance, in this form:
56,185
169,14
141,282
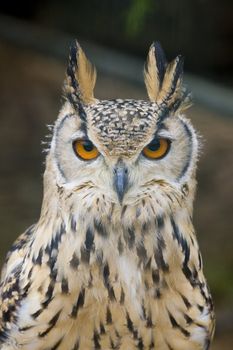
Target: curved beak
121,180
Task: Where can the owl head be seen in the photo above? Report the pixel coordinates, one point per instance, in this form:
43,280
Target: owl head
124,152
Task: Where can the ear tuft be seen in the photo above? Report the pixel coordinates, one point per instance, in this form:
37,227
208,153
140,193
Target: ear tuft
80,78
172,82
154,70
163,81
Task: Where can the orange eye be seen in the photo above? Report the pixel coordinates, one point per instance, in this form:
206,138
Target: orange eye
85,149
157,149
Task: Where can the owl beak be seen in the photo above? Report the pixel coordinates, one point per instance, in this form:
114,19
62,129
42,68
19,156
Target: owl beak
120,180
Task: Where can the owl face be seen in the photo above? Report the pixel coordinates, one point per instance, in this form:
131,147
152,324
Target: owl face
124,150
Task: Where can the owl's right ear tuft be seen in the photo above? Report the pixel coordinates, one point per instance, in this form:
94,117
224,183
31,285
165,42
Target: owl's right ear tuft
154,70
80,78
163,80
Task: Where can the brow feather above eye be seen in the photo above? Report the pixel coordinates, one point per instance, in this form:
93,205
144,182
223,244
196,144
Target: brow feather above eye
78,135
165,135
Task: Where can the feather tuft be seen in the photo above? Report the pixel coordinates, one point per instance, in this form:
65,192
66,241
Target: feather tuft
164,81
81,77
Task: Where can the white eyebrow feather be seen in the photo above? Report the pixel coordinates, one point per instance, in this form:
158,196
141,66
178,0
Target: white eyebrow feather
78,135
166,134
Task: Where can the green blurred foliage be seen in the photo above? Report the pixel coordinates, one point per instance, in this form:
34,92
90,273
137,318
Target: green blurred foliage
136,16
220,280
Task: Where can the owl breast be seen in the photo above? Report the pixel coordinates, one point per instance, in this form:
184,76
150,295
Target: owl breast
117,285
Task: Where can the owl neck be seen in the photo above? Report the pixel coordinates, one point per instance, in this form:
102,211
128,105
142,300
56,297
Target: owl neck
151,238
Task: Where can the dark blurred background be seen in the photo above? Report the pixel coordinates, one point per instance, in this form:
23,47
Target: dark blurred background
34,41
202,30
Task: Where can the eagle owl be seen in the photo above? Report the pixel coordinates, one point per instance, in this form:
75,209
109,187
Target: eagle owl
113,262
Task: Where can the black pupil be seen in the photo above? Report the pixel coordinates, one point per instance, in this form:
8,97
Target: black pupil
154,145
88,146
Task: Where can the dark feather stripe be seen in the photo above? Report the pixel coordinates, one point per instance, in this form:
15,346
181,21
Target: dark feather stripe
176,325
72,64
52,323
100,228
55,347
96,340
75,97
158,254
107,283
83,127
56,134
76,345
163,114
185,97
179,62
190,151
79,304
161,61
191,275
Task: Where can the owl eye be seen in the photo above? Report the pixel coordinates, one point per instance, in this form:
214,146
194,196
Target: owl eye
85,149
157,149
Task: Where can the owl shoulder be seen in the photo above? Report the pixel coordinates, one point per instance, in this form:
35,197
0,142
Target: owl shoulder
10,294
16,253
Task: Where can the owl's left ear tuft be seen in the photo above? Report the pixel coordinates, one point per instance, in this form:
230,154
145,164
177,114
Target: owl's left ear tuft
80,78
164,80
